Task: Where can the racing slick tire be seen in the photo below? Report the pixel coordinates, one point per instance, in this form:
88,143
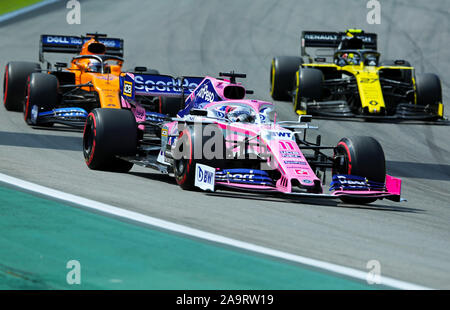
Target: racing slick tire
429,92
185,162
361,156
42,95
282,76
170,105
15,83
308,87
109,133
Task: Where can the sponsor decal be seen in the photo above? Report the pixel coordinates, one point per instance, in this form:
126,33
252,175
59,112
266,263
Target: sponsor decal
301,172
296,164
306,181
106,77
279,135
61,40
369,80
164,132
205,94
66,112
290,154
292,162
282,134
162,84
286,145
77,41
343,180
204,177
249,176
128,88
139,112
321,37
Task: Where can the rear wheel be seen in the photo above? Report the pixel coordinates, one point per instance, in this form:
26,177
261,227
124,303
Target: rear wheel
42,95
360,156
282,76
109,133
15,83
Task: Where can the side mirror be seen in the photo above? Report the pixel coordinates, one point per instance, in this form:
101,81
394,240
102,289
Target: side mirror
140,69
61,65
305,118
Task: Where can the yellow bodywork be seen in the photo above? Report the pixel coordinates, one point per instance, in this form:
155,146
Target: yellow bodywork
367,78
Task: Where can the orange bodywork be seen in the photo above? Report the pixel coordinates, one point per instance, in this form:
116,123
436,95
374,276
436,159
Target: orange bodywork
105,84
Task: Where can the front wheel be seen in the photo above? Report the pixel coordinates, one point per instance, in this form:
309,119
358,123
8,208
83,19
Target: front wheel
109,133
308,87
360,156
429,93
282,76
197,145
42,95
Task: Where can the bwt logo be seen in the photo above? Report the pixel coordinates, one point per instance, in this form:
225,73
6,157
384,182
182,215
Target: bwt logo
281,134
205,176
74,15
374,15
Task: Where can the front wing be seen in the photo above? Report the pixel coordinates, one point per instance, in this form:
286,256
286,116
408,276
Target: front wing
208,178
341,109
74,117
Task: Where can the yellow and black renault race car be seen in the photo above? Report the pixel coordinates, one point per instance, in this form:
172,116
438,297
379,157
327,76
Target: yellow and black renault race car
340,74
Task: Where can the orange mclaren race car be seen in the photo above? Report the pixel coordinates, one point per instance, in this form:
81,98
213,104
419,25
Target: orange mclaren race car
67,93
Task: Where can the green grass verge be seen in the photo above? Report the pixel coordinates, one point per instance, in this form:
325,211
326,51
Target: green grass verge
7,6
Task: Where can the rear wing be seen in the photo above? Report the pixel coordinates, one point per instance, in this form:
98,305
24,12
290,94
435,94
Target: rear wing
73,44
140,84
320,39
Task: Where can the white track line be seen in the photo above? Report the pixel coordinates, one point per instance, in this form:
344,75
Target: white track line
137,217
25,10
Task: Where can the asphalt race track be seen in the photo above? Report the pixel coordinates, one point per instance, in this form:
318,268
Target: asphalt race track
411,240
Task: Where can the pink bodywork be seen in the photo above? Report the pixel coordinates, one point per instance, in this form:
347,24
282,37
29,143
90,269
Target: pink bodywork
287,156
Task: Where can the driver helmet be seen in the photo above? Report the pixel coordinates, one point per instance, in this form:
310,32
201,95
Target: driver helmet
353,59
240,114
94,66
341,60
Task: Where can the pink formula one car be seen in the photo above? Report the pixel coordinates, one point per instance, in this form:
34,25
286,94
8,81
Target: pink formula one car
207,135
